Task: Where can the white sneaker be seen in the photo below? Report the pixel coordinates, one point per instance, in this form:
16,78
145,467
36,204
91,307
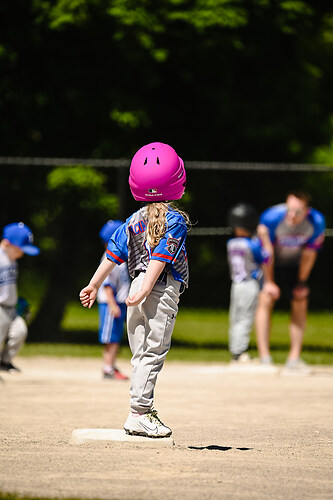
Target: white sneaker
242,359
266,360
148,424
296,367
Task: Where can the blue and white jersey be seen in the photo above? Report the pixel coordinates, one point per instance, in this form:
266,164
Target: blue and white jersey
129,244
8,280
245,257
119,281
289,241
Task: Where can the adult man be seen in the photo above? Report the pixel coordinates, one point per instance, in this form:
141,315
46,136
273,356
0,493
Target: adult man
297,233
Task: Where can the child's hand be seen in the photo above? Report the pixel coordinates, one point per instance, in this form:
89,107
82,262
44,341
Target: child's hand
115,310
136,298
88,295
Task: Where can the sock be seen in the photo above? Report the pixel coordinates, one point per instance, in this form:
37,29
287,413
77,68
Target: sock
137,414
108,369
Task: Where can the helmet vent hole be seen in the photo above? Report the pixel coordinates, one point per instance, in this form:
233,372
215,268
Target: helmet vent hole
145,162
157,160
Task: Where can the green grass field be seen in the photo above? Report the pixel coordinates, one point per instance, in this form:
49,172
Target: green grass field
199,335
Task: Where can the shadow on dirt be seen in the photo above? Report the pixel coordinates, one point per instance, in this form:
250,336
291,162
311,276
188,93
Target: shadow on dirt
215,447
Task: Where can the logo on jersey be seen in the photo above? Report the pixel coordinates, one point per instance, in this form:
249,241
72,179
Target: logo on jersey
138,228
8,275
291,240
172,245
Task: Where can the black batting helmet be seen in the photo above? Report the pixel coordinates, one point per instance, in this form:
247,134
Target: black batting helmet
243,215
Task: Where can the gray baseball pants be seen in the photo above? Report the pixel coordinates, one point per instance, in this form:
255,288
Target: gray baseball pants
13,332
243,304
149,328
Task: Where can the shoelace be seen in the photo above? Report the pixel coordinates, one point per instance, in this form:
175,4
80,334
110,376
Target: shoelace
152,416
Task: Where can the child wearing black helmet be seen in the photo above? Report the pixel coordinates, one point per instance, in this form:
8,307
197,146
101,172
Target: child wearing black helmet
246,255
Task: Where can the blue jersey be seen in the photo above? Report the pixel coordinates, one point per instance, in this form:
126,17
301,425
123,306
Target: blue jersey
245,256
129,244
289,241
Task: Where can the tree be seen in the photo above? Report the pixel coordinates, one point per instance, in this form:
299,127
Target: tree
219,79
76,203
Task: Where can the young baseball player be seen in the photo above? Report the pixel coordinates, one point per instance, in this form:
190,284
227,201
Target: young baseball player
152,241
246,254
112,308
16,241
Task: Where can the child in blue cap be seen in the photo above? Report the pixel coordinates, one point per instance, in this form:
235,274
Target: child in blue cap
112,308
17,240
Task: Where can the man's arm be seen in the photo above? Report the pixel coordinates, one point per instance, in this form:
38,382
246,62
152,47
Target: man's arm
270,286
308,258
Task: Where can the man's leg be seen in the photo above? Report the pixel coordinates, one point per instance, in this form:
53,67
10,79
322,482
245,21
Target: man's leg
263,323
297,327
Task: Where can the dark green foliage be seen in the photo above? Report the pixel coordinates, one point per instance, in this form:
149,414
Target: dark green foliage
219,80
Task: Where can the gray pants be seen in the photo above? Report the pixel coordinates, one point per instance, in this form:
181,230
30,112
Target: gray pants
243,303
149,328
13,332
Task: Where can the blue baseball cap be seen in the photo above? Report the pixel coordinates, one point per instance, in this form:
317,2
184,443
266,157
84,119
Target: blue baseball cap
108,229
20,235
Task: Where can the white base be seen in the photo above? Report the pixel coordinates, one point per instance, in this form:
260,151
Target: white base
80,436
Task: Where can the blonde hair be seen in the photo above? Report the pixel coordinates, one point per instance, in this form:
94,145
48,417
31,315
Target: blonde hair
156,216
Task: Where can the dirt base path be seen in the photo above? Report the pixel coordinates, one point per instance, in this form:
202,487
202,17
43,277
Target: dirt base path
237,435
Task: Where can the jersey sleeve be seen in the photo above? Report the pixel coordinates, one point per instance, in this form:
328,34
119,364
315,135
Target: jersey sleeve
260,255
317,239
117,249
170,246
271,218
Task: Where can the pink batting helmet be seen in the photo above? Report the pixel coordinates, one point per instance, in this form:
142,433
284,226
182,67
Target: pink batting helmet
157,173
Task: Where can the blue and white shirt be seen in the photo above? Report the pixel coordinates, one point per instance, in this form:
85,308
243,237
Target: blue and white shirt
245,257
289,241
129,244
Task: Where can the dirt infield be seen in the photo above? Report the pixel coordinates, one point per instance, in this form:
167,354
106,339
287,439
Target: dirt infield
237,435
